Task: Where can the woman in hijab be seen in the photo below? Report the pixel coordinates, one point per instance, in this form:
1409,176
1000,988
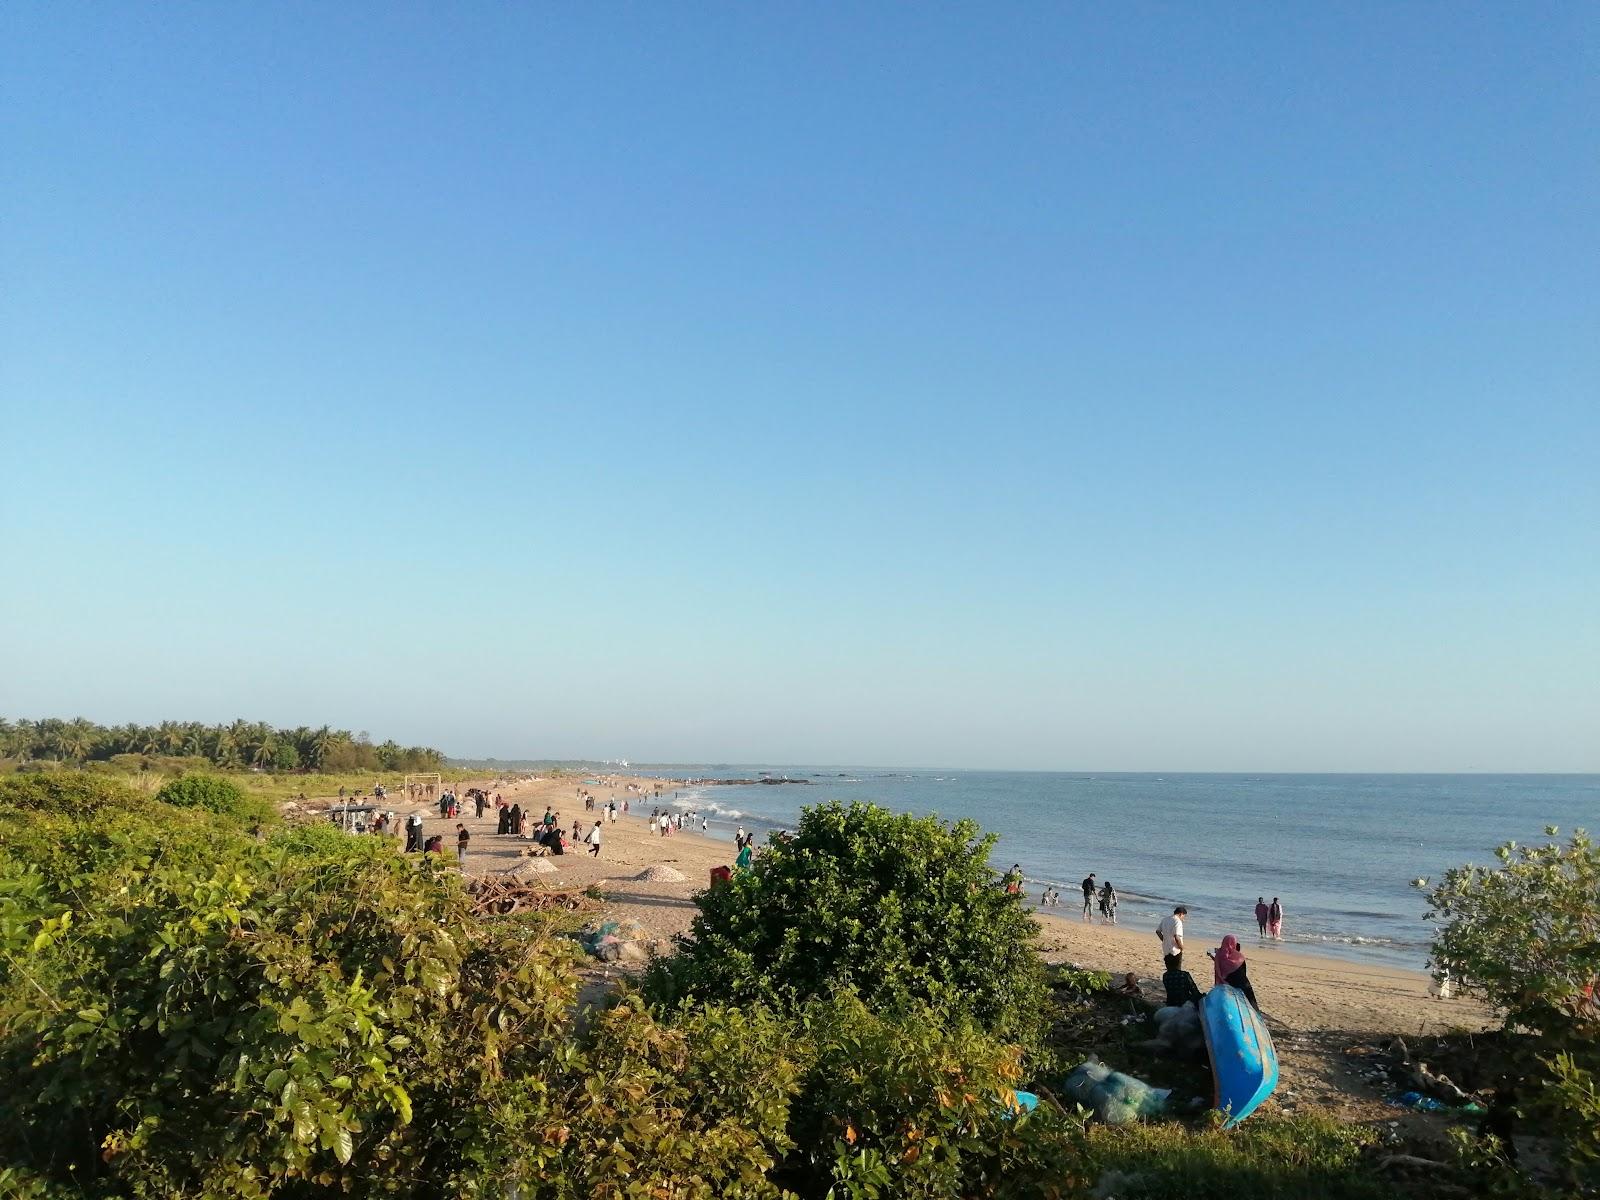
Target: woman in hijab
1275,920
1108,903
1227,964
505,820
514,821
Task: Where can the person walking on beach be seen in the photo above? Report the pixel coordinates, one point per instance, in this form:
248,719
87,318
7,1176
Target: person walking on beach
594,841
1088,895
746,853
1228,967
462,838
1275,920
1262,912
1170,932
1108,904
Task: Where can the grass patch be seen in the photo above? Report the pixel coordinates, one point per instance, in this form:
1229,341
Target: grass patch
1296,1158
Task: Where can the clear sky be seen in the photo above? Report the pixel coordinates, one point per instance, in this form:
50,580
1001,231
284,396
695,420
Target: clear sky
1091,387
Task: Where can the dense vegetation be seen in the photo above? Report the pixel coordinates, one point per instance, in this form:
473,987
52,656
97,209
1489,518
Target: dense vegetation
1525,935
197,1001
236,745
902,909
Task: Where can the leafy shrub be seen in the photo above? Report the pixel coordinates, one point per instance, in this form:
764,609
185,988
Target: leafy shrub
237,1018
916,1105
68,792
1077,983
695,1108
1526,936
901,909
221,796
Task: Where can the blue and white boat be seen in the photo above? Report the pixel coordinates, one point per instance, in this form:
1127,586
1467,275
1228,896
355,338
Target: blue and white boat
1244,1061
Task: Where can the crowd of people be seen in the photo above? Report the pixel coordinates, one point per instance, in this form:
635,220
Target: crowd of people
548,832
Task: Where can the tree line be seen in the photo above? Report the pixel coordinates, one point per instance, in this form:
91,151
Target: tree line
238,745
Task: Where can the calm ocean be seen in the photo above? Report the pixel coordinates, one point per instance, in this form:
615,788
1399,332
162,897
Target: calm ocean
1339,850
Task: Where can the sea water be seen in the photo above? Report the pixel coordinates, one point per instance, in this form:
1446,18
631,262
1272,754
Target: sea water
1339,851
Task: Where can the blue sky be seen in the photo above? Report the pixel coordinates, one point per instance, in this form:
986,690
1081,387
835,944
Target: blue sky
1180,387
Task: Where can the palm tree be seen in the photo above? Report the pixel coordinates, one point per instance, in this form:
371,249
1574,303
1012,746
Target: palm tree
76,739
261,751
322,742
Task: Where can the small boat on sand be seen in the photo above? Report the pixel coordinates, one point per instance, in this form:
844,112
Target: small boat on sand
1244,1061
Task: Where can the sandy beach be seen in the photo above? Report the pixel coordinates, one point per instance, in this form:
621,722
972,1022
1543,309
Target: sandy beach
1319,1008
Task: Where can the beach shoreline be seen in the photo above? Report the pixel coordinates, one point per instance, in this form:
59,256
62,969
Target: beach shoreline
1302,989
1318,1007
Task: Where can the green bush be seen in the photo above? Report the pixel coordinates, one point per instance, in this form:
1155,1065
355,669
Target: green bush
214,794
1525,936
903,910
235,1018
68,792
695,1108
916,1104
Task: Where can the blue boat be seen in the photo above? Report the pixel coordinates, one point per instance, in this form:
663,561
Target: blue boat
1244,1061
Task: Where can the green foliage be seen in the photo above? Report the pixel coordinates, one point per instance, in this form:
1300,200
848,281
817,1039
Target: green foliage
221,796
1525,935
693,1109
240,744
901,909
65,792
1575,1100
1077,983
915,1104
226,1016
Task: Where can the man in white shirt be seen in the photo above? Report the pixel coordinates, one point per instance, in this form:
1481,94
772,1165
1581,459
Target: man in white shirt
1170,931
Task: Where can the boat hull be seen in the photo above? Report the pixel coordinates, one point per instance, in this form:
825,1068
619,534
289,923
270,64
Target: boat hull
1244,1061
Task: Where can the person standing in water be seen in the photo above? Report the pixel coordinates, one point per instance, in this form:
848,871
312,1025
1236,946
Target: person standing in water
1088,896
1108,903
1275,920
1261,914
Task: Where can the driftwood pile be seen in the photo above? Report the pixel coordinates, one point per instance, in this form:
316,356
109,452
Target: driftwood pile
504,895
